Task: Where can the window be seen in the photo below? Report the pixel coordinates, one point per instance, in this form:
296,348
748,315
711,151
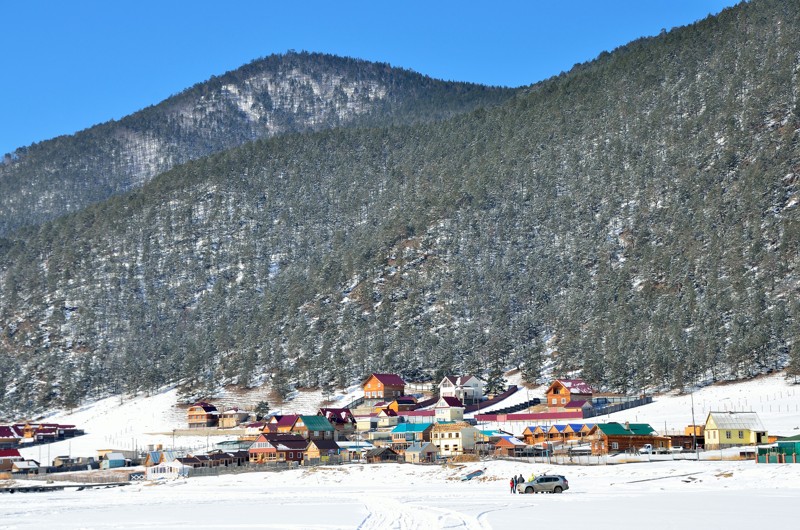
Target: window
614,445
555,401
291,455
741,434
727,435
563,401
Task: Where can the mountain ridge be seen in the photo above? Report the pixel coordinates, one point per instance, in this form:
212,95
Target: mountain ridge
634,221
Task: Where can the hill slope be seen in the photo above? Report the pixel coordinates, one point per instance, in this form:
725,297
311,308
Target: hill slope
276,95
638,216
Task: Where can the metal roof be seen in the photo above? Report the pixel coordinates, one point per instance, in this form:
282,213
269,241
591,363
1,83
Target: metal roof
737,421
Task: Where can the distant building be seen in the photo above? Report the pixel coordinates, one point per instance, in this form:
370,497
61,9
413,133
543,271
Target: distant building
383,387
731,429
466,388
569,394
202,415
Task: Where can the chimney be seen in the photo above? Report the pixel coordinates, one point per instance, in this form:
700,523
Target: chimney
627,426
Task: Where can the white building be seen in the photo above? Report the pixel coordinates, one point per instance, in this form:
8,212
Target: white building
467,388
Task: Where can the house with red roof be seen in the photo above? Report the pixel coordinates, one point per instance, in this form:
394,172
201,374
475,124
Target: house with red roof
9,437
384,387
342,420
8,457
567,393
509,446
449,409
277,447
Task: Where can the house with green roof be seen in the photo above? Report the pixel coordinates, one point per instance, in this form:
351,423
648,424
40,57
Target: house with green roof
621,437
314,428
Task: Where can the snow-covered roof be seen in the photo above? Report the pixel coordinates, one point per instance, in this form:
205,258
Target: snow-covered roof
737,421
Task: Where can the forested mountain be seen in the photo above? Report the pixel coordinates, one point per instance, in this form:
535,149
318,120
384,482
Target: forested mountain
635,220
279,94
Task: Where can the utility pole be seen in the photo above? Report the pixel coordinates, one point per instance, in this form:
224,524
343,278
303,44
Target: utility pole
694,429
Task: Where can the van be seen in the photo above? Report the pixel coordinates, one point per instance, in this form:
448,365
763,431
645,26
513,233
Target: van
646,449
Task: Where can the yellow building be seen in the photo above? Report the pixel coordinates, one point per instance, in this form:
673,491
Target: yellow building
731,429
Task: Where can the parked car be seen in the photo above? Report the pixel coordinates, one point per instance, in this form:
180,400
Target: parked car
544,484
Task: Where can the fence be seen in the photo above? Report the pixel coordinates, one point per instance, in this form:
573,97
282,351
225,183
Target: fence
609,409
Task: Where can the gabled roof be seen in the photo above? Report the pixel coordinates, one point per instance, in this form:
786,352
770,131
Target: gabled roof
9,453
425,447
737,421
406,400
325,445
575,386
287,420
378,451
387,413
316,423
388,379
337,416
208,407
290,445
509,441
449,401
629,429
6,431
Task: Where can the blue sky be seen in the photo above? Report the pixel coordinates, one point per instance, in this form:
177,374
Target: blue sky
69,65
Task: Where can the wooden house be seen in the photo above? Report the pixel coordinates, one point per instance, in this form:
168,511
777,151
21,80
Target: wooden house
420,453
555,434
313,428
563,391
454,438
731,429
619,437
342,420
384,387
277,447
509,446
202,415
153,458
381,454
322,449
403,404
284,423
448,409
466,388
232,418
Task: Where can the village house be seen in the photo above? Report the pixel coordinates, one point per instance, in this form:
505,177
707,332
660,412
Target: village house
387,418
731,429
569,394
466,388
342,420
403,404
283,423
383,387
277,447
449,409
322,449
453,439
420,453
620,437
8,457
232,418
407,434
381,454
313,428
9,437
509,446
202,415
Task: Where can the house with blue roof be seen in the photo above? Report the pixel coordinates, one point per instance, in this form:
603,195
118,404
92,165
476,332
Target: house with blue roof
406,434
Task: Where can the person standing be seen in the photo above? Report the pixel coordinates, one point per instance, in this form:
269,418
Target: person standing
520,480
513,484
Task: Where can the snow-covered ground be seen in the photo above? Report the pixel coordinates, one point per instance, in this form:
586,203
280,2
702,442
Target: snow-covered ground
659,494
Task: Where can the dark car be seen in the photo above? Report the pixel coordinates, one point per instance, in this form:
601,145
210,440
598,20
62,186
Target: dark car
544,484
